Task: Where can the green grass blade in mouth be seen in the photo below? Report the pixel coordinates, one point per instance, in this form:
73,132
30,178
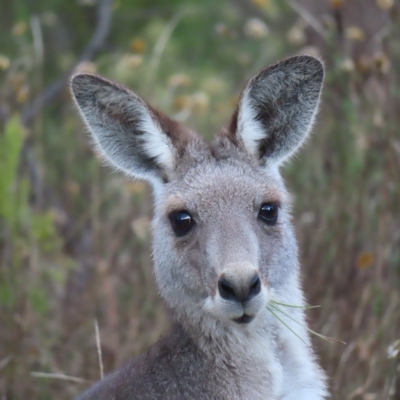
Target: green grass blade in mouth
293,306
284,323
327,338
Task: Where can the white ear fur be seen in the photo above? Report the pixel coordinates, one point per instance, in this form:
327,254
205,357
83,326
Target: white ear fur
156,144
250,130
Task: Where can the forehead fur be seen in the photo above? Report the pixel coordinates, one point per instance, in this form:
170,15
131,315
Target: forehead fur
221,175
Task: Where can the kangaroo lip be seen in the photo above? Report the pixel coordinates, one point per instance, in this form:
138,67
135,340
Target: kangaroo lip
244,319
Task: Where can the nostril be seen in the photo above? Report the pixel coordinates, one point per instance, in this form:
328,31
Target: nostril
241,293
255,286
226,289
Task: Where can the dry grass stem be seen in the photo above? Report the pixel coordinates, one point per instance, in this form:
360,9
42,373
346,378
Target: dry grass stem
98,346
58,376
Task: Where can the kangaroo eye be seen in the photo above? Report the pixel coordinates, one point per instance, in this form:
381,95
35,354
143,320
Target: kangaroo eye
269,213
181,222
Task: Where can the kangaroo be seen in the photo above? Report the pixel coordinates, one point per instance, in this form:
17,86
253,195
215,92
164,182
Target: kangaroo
223,242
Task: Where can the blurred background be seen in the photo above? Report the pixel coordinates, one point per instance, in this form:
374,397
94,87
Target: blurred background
74,237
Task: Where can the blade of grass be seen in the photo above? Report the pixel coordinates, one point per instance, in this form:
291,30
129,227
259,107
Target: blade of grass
284,323
58,376
327,338
99,354
292,306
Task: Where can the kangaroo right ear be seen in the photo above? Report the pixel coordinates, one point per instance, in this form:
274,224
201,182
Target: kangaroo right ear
277,109
130,135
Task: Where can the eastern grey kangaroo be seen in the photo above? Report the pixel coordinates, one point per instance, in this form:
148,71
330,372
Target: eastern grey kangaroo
223,241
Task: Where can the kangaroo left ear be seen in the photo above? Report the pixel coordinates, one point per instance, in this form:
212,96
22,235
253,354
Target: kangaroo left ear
131,135
277,109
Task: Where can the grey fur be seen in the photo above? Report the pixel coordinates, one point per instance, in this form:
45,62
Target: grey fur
207,355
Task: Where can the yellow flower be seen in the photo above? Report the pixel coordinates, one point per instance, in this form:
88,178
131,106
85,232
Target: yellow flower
131,61
138,45
336,4
181,102
382,62
256,28
347,65
365,260
4,62
200,102
135,187
19,28
355,33
179,80
296,34
86,66
260,3
213,85
22,94
141,227
385,4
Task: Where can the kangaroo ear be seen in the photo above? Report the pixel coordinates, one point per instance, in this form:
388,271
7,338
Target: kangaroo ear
130,135
277,109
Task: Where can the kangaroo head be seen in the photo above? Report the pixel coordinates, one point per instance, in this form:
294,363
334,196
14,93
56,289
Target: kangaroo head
223,240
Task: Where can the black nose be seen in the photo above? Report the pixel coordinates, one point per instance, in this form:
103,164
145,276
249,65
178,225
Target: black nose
230,290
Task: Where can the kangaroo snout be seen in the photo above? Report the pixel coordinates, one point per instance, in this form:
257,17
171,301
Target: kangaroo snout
239,282
241,294
239,290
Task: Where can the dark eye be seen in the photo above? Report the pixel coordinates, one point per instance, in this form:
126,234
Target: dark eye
181,222
269,213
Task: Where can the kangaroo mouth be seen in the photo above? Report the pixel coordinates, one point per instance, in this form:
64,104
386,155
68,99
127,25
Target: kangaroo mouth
244,319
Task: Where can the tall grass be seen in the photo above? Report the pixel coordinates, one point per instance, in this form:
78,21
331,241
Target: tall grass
74,238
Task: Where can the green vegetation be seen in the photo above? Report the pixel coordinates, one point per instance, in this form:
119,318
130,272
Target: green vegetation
74,238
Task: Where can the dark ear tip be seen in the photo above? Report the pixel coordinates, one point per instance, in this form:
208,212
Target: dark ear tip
309,61
79,80
305,65
314,64
315,61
